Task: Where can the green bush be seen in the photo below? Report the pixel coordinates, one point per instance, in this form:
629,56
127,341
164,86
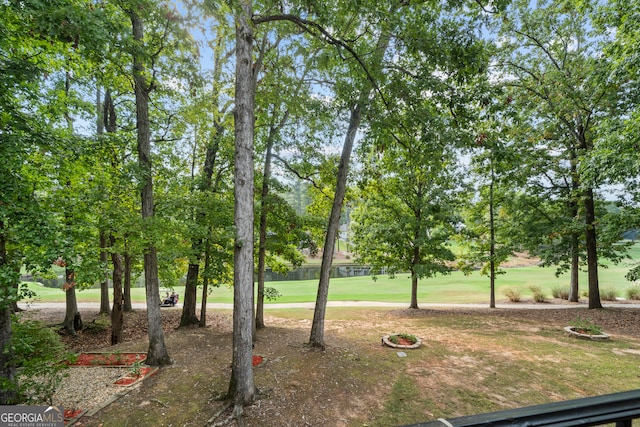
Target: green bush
538,295
39,355
512,294
271,294
561,292
633,292
608,294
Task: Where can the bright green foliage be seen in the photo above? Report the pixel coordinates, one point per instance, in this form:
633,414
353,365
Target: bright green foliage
549,60
40,355
407,212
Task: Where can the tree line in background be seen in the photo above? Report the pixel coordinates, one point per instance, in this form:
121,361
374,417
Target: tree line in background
214,139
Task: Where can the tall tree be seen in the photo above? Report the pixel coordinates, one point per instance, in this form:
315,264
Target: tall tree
35,37
551,62
242,388
210,116
157,353
286,111
357,108
408,213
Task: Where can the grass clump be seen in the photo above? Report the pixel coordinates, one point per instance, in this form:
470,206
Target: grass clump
633,292
608,294
561,292
512,294
538,295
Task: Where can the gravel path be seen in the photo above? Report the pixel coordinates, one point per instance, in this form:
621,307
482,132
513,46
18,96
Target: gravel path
88,388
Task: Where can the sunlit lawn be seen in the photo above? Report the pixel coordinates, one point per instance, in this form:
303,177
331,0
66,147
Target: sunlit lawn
453,288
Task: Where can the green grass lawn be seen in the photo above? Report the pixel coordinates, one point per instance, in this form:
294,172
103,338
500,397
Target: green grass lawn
452,288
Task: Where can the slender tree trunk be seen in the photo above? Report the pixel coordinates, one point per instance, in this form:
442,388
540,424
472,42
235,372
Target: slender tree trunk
205,288
104,286
117,318
100,126
157,354
262,233
72,320
317,327
492,243
8,392
590,230
414,291
206,184
592,251
316,338
414,278
127,283
574,292
242,387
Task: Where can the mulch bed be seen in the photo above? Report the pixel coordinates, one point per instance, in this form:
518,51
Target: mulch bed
109,359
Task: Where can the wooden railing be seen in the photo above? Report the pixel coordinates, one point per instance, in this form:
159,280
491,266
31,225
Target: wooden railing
619,408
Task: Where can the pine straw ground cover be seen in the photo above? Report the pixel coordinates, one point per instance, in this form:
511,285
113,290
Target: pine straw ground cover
471,360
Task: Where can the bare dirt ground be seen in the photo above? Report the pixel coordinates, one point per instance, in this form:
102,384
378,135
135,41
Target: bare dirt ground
347,384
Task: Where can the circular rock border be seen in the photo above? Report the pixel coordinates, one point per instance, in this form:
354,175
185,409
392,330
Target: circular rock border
594,337
387,342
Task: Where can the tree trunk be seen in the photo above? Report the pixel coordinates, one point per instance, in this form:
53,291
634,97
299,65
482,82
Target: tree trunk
117,320
592,251
189,317
584,145
157,354
8,392
206,184
242,388
574,293
492,242
414,291
205,289
72,320
104,286
317,327
262,233
127,283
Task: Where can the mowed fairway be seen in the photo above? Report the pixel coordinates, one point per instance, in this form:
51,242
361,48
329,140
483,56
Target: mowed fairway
452,288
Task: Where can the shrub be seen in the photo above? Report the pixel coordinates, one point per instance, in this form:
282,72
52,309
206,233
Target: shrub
538,295
271,294
561,292
608,294
38,353
512,294
633,292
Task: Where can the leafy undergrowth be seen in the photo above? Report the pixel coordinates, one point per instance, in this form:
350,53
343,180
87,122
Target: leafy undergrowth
471,361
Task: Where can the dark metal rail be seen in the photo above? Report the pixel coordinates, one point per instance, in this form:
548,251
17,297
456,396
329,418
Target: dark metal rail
619,408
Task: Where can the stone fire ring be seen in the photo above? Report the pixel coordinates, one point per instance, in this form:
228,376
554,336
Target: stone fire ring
599,337
385,341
